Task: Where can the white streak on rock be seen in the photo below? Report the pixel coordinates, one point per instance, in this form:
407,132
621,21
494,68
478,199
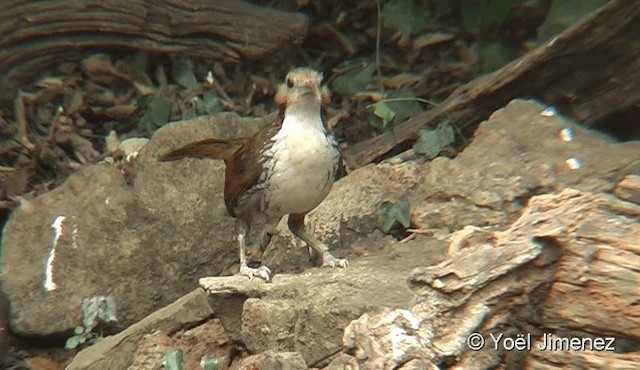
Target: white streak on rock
49,284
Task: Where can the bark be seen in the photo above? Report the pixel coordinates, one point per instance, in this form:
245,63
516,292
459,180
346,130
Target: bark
36,35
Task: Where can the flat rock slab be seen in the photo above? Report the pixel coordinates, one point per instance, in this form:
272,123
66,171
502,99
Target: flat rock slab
307,313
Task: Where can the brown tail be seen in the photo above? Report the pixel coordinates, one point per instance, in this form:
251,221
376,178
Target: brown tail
209,148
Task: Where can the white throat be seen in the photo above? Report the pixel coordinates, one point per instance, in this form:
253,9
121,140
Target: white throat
302,116
304,162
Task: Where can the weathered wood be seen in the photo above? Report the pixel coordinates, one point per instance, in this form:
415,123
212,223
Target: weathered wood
567,268
35,35
589,71
596,287
552,360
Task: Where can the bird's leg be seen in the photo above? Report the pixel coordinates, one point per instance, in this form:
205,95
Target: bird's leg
296,225
267,233
242,229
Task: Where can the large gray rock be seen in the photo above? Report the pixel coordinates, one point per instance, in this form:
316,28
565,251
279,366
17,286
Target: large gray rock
518,153
144,237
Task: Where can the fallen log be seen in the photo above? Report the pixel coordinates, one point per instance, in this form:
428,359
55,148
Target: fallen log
555,290
588,72
36,35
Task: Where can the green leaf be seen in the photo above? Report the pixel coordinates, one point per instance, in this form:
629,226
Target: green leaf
182,73
72,342
405,16
78,330
432,142
382,111
212,104
403,104
157,114
392,213
356,80
174,360
210,363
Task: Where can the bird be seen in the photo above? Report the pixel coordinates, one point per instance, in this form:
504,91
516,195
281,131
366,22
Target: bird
286,169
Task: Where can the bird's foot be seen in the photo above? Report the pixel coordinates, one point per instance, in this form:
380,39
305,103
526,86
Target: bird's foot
262,272
328,260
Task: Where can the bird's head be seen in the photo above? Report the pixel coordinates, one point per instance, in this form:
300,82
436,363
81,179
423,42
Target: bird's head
302,86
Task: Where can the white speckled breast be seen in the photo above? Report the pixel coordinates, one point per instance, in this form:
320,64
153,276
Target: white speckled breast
302,165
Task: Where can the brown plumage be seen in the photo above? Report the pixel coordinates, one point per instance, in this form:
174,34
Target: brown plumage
241,173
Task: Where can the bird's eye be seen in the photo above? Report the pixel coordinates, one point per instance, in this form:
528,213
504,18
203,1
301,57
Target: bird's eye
289,82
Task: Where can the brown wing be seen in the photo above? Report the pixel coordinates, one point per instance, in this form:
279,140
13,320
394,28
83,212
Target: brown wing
209,148
244,168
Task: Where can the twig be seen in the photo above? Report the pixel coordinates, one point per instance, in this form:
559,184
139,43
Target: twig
328,356
21,118
229,104
249,99
331,123
378,32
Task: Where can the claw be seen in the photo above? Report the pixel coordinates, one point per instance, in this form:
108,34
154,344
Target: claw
262,272
328,260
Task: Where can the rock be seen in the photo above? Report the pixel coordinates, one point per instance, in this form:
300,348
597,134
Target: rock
341,362
41,363
306,313
629,189
206,340
152,351
350,211
520,151
404,339
116,352
131,147
274,360
58,248
99,235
